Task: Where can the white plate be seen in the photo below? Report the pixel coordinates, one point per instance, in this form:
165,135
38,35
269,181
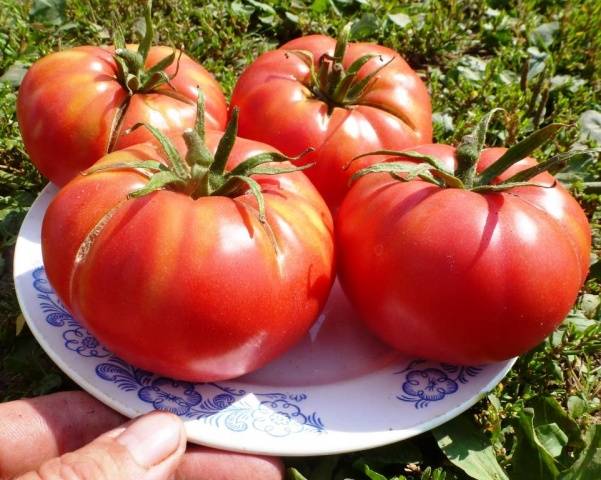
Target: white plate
339,390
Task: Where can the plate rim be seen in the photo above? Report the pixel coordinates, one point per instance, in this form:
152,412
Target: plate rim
377,439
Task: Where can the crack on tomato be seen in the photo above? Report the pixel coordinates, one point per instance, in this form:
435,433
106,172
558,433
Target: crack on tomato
244,206
88,242
117,123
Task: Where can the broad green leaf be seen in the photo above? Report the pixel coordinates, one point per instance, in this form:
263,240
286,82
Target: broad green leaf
508,77
472,68
530,459
291,17
576,406
569,82
14,74
399,19
589,304
552,438
579,321
588,464
65,27
49,12
366,26
590,125
264,7
241,10
537,62
544,34
469,449
547,411
443,122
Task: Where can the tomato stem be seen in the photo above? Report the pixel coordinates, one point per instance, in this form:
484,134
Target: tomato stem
201,173
144,46
468,154
131,70
518,152
468,151
333,84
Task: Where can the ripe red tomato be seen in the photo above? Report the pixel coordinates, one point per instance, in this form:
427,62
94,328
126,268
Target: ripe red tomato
196,289
282,104
461,276
73,108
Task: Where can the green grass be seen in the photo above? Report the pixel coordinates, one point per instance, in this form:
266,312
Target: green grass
537,59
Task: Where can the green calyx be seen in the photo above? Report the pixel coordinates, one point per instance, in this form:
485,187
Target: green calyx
468,152
201,173
333,84
131,71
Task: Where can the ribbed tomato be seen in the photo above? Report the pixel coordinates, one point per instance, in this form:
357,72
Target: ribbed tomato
193,287
343,100
74,106
462,275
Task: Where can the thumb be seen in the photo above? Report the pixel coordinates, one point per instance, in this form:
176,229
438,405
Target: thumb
148,448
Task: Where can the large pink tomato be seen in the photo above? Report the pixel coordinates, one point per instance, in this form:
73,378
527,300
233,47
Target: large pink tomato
462,275
341,100
197,281
76,105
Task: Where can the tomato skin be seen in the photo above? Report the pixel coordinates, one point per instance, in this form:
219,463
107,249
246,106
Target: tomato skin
277,107
458,276
69,101
191,289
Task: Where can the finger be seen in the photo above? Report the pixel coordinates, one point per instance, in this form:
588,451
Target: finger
148,448
35,430
202,463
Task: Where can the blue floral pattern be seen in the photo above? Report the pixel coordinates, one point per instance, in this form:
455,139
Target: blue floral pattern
422,386
56,313
76,338
275,414
81,341
171,395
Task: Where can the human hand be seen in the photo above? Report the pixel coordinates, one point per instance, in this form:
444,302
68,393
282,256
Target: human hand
70,435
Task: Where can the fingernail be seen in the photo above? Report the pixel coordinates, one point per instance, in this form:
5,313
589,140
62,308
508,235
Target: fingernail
152,438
